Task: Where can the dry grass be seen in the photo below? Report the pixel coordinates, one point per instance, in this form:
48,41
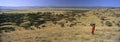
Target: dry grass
77,33
59,34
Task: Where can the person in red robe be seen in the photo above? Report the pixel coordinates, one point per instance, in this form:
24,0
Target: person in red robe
93,29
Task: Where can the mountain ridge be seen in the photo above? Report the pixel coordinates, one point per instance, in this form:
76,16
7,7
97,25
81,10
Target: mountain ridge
32,7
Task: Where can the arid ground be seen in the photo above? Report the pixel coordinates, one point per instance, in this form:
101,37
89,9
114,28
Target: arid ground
60,25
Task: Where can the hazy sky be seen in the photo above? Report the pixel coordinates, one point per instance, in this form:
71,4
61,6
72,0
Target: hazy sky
111,3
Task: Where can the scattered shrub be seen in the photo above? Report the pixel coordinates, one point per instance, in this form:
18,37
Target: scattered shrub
61,24
113,21
118,24
103,18
71,25
108,23
7,29
43,26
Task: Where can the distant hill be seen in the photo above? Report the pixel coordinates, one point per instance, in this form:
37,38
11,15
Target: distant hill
37,7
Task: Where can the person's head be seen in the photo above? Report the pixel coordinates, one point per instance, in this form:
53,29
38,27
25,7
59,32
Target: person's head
93,24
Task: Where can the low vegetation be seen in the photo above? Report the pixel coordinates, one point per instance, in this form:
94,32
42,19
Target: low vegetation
57,26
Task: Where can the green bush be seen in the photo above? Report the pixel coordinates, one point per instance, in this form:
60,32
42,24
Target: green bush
108,23
7,29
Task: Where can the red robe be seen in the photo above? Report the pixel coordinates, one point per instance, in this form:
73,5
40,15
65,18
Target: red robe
93,29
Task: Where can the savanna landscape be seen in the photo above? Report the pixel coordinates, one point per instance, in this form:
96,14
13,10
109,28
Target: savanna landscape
60,25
